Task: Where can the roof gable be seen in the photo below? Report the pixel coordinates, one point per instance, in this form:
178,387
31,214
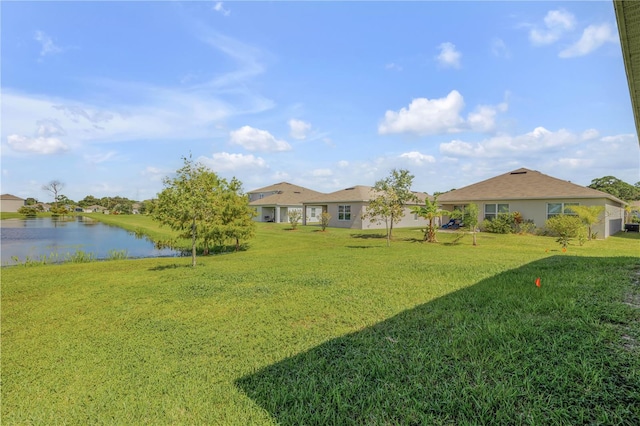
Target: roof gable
285,194
522,184
10,197
358,194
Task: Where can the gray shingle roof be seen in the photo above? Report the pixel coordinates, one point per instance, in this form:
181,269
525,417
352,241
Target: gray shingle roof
287,195
522,184
10,197
354,194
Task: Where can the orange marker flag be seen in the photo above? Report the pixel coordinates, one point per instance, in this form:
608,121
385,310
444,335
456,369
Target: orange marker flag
538,282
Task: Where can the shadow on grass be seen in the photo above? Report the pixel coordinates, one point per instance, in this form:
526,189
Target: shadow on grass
369,236
500,352
167,267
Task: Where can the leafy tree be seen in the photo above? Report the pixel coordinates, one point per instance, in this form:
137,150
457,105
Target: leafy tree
616,187
392,194
54,187
566,227
294,218
430,211
187,201
29,211
325,217
89,200
233,217
30,201
63,199
589,215
469,216
204,207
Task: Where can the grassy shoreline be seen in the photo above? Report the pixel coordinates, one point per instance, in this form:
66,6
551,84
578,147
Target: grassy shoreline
329,327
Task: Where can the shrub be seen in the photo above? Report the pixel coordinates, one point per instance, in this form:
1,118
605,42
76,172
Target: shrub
325,217
565,228
526,227
505,223
29,211
294,218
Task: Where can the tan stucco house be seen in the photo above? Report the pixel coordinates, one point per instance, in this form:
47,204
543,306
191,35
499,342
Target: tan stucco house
11,203
347,206
273,203
94,209
537,197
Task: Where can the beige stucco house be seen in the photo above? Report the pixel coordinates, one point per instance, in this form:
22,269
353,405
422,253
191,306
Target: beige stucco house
273,203
347,206
537,197
11,203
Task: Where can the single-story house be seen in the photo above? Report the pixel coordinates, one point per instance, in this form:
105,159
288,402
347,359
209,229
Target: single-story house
94,209
11,203
347,206
273,203
537,197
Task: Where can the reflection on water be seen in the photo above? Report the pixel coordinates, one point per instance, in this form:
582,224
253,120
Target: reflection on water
57,238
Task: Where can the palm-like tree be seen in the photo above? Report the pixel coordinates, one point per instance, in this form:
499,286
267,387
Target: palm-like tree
589,215
429,211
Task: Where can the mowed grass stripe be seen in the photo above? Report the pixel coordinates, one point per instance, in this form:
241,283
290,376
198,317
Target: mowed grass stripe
307,327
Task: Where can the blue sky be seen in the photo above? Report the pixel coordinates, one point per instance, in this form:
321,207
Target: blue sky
107,97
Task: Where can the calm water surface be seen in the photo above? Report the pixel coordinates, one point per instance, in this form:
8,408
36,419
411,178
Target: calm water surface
36,237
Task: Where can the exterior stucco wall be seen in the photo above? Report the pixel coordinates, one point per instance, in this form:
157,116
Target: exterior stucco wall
536,211
356,222
11,205
614,219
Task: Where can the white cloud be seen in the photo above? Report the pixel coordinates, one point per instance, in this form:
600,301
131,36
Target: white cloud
99,158
556,23
343,163
589,134
37,145
322,172
426,117
254,139
226,162
499,48
575,163
418,158
299,129
540,140
218,7
592,38
482,119
393,66
438,116
449,57
154,174
48,47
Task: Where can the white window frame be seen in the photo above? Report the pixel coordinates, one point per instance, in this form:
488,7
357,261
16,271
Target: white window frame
344,212
498,210
564,209
313,211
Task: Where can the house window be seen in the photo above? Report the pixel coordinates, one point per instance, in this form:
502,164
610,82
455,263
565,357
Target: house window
555,209
344,212
313,212
491,211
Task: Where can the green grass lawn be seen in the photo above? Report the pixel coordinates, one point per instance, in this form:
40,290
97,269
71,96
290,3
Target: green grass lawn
309,327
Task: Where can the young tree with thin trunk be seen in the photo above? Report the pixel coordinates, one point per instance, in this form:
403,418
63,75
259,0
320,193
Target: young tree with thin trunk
430,211
469,216
391,194
204,207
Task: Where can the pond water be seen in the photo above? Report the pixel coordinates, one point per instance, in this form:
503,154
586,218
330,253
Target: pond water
58,239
